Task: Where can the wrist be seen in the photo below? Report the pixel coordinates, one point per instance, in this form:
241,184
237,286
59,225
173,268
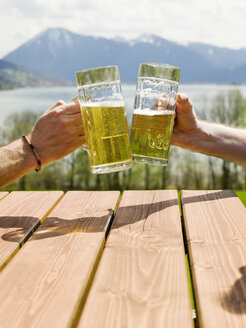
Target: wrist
16,161
41,151
205,139
28,158
191,137
35,153
201,137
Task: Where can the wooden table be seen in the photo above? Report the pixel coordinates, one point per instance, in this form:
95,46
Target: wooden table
93,259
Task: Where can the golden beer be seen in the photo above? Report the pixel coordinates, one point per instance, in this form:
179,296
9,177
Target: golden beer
106,133
150,135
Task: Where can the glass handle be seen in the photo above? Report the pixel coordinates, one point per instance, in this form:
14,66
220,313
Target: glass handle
84,146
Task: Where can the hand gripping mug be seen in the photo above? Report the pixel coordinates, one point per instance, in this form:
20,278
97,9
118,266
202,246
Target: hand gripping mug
154,112
104,119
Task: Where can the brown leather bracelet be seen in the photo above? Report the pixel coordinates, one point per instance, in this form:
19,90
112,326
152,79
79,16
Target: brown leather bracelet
35,153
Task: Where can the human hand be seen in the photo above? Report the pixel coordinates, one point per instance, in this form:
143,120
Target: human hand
58,132
186,125
163,103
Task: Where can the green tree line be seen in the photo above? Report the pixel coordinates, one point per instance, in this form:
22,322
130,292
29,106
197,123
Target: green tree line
186,170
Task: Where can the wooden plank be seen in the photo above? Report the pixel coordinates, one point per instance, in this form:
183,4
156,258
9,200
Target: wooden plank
3,194
141,280
215,223
20,214
48,279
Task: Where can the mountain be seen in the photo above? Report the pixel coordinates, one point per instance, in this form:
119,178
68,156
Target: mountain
220,57
15,76
61,52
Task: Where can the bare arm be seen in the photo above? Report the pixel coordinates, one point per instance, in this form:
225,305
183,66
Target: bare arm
16,159
205,137
58,132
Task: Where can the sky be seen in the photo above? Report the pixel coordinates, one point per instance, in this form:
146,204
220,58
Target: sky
217,22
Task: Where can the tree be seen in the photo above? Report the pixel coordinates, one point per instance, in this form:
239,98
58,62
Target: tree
17,124
212,175
147,169
229,109
83,175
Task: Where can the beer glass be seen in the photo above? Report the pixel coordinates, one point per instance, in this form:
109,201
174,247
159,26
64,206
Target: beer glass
104,119
154,112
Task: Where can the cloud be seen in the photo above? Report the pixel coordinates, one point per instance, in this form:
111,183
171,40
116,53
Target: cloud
25,7
219,22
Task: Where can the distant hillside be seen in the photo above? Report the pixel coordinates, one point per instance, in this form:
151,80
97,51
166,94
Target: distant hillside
14,76
62,52
220,57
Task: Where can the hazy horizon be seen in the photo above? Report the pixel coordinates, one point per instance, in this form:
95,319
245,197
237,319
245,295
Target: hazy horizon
39,99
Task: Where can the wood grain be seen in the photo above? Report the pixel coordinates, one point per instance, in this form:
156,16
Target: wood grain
215,224
20,213
3,194
44,285
141,280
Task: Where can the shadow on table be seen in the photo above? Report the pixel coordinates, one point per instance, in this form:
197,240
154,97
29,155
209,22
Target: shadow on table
235,300
54,226
126,215
50,227
213,195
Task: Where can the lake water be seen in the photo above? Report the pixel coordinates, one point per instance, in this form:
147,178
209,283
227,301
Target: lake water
39,99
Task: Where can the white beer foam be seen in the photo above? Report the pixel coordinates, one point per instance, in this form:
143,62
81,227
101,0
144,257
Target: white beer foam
104,104
151,112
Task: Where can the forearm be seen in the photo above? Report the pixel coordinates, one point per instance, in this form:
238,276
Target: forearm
16,159
220,141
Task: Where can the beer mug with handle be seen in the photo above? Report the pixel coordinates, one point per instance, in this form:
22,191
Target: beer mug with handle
154,112
104,119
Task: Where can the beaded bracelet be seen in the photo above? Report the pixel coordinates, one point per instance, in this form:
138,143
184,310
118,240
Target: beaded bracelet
35,153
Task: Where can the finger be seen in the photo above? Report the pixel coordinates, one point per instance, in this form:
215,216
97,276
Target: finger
79,138
77,130
67,109
59,103
183,103
163,103
80,141
76,100
182,97
71,108
75,119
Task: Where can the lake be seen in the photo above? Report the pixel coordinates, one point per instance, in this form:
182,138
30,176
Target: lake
39,99
182,163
